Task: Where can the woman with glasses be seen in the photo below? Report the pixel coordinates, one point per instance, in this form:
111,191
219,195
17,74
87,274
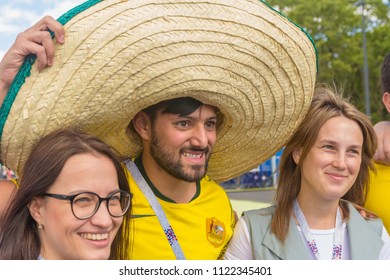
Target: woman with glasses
72,202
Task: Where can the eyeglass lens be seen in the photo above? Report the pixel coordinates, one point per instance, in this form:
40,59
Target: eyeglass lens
85,205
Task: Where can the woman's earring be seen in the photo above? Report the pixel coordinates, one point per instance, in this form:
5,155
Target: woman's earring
40,226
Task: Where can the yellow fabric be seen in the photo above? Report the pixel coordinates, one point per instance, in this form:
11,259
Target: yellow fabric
203,226
16,182
379,196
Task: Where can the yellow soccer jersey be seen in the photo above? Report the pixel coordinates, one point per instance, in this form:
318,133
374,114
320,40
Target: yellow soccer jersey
378,200
203,226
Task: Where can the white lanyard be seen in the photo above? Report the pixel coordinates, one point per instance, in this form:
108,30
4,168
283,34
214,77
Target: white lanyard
145,188
338,238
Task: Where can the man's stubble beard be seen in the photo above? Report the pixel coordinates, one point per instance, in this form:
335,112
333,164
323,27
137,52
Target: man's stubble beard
174,167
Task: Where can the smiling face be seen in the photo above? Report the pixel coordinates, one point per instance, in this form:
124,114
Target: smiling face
333,162
65,237
181,145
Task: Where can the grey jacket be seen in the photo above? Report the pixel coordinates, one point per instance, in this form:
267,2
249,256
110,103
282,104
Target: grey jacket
365,237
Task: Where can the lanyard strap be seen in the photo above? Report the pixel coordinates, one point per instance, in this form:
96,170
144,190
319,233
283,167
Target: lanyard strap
156,206
338,237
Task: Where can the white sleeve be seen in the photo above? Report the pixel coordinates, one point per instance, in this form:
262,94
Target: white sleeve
385,235
240,247
385,252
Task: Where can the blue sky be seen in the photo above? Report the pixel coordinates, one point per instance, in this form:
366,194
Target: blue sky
17,15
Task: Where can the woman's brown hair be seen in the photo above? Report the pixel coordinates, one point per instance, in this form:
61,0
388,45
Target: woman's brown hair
19,238
326,104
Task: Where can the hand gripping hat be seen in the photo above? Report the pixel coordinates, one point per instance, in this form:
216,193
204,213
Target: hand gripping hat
120,57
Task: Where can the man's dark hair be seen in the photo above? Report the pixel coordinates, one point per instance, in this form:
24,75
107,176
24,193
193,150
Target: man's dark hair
385,73
181,106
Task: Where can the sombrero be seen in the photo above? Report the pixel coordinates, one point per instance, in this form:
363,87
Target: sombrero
120,57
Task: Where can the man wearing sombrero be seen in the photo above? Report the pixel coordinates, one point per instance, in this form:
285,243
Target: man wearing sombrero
244,73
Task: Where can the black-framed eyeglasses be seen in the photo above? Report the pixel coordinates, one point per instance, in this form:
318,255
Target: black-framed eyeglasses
85,204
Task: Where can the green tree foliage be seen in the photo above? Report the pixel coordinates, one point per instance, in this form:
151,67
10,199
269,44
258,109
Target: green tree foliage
336,28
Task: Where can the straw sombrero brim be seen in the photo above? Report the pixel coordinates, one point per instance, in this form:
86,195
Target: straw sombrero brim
120,57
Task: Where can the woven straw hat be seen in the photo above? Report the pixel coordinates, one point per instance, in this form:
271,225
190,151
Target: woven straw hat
120,57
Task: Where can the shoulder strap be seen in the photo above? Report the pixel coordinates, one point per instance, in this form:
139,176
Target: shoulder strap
16,182
145,188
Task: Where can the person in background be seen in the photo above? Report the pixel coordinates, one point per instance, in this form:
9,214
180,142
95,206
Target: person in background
378,200
324,175
382,130
73,202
